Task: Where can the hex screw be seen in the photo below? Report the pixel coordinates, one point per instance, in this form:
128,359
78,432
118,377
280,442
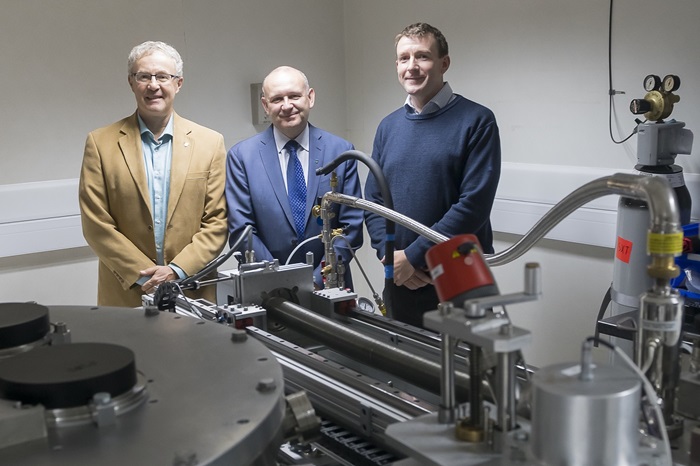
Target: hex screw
506,330
266,385
101,398
239,336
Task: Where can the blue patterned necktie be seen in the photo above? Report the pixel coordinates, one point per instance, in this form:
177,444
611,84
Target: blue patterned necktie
296,188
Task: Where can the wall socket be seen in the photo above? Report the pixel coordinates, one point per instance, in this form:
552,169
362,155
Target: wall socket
259,115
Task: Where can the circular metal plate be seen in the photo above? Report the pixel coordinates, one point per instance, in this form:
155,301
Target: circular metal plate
65,376
206,403
22,324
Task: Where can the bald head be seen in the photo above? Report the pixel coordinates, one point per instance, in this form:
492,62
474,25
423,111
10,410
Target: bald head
287,99
283,72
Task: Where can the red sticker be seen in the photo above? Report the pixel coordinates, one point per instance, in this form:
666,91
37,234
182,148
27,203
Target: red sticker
623,250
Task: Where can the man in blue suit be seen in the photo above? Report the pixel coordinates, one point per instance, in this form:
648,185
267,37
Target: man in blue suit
268,174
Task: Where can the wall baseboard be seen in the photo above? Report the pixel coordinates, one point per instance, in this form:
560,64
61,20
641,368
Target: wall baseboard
44,216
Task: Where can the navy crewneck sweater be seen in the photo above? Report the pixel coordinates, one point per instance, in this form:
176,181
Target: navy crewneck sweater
442,169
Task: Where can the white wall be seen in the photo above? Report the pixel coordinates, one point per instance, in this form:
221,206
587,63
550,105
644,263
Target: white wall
65,72
541,65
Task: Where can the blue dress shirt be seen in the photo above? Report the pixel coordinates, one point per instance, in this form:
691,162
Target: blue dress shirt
157,157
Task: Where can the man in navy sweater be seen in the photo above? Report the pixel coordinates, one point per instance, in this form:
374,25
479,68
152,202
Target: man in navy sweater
441,156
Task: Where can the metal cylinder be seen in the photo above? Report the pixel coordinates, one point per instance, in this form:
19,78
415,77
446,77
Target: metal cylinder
446,415
475,400
459,271
630,278
505,376
660,323
585,422
414,369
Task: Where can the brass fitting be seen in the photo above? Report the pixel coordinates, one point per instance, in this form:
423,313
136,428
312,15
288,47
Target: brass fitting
661,104
663,267
469,433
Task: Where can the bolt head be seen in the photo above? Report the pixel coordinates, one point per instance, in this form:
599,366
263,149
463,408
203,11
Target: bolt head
239,336
101,398
266,385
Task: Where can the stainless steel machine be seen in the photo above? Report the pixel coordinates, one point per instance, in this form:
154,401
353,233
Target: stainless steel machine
113,386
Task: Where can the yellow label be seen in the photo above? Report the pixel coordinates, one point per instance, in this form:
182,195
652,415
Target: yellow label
665,243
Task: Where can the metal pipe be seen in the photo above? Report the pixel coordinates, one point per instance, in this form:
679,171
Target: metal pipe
291,352
506,392
658,349
475,399
414,369
387,213
523,373
663,208
446,415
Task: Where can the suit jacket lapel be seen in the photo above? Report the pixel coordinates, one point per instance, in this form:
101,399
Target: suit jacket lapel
270,161
183,147
130,145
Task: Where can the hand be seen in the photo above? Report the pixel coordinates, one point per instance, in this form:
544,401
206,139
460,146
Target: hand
418,280
407,275
159,274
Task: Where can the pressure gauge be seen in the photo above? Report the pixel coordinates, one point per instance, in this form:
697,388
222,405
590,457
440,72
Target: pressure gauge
365,304
652,82
671,83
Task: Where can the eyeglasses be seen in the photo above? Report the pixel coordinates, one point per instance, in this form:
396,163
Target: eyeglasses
144,78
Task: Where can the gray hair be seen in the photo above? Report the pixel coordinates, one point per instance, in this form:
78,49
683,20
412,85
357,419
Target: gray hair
150,47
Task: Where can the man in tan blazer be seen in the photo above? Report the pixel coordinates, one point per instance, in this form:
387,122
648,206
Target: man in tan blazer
152,187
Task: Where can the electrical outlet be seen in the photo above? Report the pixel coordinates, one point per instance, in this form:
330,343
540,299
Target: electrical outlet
259,115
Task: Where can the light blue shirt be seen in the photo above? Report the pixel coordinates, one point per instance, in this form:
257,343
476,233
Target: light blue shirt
442,98
157,157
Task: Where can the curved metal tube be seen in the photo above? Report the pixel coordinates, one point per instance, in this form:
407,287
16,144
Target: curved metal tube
385,212
663,209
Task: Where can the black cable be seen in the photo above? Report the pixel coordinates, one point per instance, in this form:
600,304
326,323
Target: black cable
611,91
190,282
601,312
598,340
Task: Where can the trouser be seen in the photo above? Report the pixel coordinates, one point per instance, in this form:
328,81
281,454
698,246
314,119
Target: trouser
408,306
